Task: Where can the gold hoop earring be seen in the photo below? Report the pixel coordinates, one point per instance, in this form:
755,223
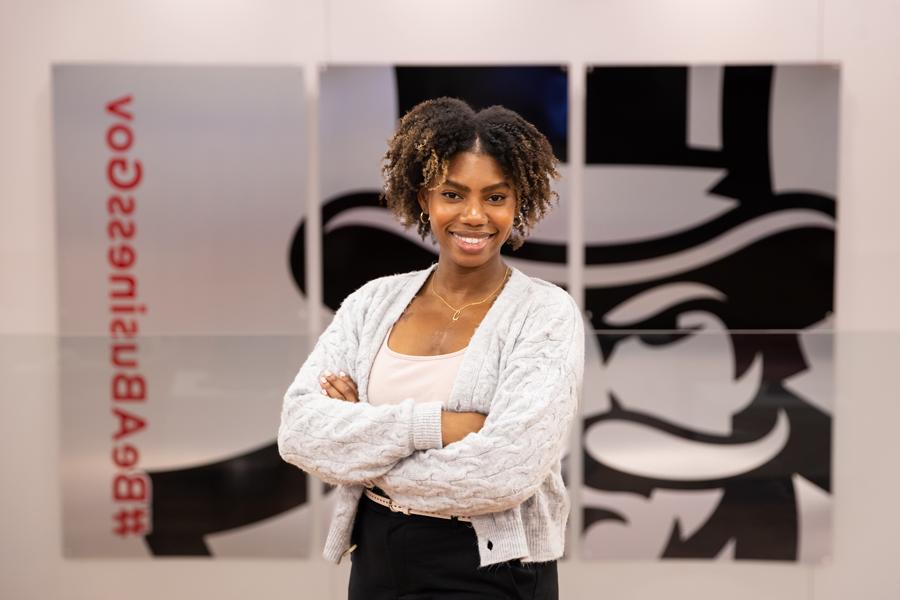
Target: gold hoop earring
518,225
424,218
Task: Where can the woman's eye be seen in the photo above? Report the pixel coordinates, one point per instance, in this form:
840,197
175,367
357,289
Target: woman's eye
451,195
496,198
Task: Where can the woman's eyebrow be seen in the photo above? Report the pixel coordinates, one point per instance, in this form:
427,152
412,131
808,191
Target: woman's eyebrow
465,188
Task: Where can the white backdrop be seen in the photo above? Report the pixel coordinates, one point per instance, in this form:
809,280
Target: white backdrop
861,35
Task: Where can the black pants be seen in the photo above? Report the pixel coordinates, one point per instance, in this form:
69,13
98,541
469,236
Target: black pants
410,557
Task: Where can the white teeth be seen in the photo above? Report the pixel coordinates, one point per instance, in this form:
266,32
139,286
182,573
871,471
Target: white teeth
471,240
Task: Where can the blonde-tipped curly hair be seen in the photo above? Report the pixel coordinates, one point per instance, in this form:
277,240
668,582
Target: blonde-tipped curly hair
433,131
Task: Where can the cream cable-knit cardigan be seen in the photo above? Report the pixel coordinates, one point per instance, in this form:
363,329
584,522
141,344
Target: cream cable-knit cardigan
523,368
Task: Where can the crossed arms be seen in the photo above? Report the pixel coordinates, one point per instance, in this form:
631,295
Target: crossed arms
425,457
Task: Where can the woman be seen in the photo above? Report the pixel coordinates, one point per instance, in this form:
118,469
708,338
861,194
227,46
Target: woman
439,400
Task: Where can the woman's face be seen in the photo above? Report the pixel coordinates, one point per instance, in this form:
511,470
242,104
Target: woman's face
472,212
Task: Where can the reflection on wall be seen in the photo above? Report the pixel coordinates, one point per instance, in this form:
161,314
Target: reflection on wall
177,190
710,209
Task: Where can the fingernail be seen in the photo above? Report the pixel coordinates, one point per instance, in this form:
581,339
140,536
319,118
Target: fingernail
342,374
327,373
324,393
323,380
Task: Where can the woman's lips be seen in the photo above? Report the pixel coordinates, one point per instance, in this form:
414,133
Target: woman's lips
470,243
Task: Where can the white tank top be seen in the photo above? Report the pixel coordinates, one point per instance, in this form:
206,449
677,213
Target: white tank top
396,377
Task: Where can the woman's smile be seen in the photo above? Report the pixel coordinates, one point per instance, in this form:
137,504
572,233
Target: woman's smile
471,242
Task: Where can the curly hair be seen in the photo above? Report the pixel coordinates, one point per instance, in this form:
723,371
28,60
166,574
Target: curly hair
433,131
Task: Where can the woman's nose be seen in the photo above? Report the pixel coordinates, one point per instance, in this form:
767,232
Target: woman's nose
473,211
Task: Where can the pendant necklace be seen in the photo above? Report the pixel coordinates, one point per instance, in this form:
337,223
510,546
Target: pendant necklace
458,311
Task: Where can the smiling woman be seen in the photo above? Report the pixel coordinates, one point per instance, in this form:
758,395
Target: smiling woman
469,219
439,400
432,134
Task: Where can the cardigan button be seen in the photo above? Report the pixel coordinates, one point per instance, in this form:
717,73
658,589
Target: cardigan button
490,545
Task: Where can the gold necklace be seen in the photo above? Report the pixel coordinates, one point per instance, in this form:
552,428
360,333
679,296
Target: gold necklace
458,311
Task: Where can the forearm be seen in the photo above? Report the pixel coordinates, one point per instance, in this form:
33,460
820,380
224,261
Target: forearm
472,488
346,442
340,442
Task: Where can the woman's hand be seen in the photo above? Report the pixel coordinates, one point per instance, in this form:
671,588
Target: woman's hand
339,387
457,425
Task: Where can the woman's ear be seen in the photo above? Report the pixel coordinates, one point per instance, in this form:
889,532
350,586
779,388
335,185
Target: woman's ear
422,196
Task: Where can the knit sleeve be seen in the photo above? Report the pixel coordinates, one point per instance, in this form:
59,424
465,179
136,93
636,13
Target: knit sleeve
524,434
342,442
